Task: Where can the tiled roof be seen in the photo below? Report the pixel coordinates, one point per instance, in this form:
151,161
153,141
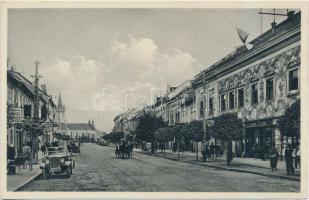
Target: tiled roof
27,84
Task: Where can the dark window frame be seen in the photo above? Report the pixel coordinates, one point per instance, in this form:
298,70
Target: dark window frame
293,83
242,102
222,105
254,94
270,89
211,105
231,106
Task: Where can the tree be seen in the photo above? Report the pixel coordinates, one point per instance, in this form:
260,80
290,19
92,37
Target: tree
289,123
147,125
194,131
228,127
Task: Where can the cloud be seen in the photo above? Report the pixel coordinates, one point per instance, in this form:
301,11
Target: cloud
131,69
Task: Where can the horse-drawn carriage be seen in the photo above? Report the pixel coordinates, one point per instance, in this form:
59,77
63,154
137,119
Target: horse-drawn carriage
124,149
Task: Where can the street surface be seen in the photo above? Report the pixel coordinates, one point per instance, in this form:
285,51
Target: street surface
99,170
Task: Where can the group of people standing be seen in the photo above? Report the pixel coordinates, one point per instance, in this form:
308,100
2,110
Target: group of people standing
291,156
212,151
124,150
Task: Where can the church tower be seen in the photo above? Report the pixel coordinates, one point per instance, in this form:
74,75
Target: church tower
60,113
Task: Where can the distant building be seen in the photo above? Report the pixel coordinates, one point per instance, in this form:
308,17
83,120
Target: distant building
77,130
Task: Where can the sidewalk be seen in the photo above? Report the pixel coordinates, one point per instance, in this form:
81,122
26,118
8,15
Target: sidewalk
24,176
246,165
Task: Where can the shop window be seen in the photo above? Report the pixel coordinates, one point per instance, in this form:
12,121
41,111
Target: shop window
241,97
222,102
293,79
231,100
269,89
211,105
254,94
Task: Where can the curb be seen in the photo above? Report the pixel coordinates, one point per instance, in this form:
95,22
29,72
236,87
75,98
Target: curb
229,169
32,178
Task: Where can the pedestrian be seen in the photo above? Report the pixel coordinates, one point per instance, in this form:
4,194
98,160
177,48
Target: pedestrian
273,154
294,151
117,151
229,154
204,154
11,164
208,153
297,159
27,156
217,150
43,149
289,160
212,150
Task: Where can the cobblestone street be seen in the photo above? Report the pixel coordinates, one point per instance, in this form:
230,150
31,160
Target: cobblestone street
99,170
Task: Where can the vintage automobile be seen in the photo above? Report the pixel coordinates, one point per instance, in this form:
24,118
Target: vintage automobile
74,147
57,161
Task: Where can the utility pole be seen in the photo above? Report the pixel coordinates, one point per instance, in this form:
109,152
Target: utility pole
36,106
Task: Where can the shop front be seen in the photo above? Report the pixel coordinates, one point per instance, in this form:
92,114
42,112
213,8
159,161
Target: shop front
259,136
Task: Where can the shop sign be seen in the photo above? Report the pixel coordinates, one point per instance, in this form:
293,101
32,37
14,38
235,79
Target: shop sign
16,114
265,122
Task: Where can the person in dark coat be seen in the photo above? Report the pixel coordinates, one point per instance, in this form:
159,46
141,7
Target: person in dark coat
273,154
43,149
204,154
217,150
289,160
229,154
212,150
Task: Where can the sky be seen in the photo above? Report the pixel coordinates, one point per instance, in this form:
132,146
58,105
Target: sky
106,61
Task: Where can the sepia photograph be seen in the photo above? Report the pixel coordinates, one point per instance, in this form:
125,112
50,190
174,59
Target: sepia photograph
153,99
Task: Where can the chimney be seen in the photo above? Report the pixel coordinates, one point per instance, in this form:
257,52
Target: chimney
273,26
291,15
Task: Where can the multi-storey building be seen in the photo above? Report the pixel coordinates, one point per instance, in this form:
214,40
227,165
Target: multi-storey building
181,104
257,84
21,108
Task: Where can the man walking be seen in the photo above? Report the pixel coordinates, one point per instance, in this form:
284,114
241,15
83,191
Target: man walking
289,160
212,150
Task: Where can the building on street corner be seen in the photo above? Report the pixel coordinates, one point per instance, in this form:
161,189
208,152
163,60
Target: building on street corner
21,109
258,84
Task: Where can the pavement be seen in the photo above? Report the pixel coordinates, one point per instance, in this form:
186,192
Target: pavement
24,176
246,165
99,170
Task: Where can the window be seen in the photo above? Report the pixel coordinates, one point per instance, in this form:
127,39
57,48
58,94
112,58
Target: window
231,100
27,111
211,106
293,80
222,101
269,89
202,109
254,94
11,137
241,97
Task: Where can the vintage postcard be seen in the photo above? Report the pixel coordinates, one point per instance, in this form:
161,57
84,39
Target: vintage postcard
152,100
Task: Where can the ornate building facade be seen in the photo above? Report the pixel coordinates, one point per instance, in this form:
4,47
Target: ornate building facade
257,84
